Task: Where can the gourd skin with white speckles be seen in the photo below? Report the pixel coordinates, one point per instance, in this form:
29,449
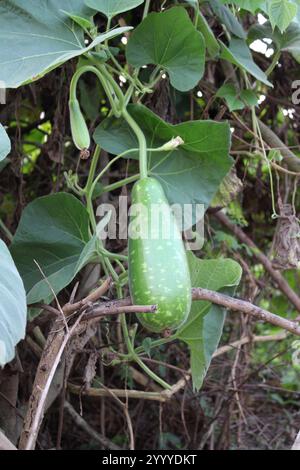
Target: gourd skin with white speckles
158,269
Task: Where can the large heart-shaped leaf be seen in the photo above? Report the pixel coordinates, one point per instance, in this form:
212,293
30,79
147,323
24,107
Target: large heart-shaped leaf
238,53
37,36
54,232
190,174
111,8
203,328
5,145
169,40
13,310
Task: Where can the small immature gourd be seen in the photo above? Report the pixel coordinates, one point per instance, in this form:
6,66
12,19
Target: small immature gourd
158,269
79,129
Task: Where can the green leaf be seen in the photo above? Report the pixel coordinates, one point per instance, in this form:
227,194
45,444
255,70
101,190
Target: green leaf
238,53
169,40
111,8
227,18
249,97
288,41
37,36
231,96
236,99
85,23
53,231
192,173
281,13
5,145
249,5
13,309
203,328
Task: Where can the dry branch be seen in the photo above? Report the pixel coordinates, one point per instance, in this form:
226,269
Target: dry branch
101,392
242,306
275,275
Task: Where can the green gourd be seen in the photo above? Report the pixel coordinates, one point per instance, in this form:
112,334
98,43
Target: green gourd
158,268
79,129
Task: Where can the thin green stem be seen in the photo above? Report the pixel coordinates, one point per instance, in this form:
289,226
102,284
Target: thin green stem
92,171
6,231
107,29
114,256
146,8
99,176
108,79
121,155
142,143
120,184
156,344
273,64
136,358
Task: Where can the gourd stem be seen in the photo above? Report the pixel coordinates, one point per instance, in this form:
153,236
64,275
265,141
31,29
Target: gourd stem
142,143
103,81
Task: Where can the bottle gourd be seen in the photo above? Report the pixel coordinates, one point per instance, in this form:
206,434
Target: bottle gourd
158,268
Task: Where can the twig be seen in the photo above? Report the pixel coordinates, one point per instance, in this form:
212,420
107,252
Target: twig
276,276
116,307
91,298
104,392
238,305
88,429
249,339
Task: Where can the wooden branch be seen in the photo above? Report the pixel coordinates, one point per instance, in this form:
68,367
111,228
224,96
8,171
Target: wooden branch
289,158
242,306
249,339
55,346
101,392
91,298
275,275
